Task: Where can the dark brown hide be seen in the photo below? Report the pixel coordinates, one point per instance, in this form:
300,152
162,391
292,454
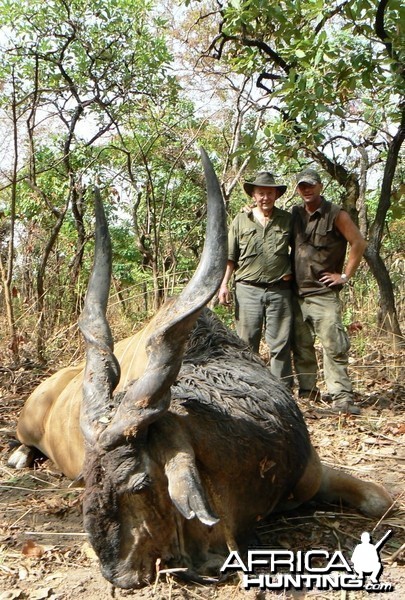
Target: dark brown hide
233,427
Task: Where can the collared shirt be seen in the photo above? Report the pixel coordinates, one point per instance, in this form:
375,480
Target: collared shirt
318,247
261,254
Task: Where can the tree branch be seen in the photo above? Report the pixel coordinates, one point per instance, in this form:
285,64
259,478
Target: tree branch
377,229
382,33
380,28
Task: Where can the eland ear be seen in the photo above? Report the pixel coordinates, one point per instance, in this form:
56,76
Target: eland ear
186,490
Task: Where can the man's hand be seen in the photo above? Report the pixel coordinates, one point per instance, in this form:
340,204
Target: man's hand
224,295
332,279
247,208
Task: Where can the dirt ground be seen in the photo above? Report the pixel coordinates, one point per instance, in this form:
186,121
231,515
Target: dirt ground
44,552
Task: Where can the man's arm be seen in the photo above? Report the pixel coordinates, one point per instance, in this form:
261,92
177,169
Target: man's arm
357,245
224,295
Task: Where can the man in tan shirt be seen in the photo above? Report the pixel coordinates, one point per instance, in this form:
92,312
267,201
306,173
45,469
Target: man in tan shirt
259,260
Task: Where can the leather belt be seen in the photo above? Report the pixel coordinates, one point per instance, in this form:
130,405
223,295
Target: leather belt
281,284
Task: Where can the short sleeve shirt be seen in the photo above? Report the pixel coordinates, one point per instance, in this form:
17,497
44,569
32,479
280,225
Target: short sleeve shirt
261,254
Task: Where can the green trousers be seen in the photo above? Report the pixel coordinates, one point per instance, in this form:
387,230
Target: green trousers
269,309
320,316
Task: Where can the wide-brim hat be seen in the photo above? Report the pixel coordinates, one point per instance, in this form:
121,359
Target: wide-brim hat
263,179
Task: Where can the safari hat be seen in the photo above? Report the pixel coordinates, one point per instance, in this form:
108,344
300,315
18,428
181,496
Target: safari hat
263,179
308,176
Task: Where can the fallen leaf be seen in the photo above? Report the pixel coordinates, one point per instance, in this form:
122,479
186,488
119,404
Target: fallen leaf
326,441
396,429
40,594
88,551
11,595
31,548
22,573
53,577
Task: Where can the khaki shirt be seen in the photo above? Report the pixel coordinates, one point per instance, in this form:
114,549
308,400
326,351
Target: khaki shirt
318,247
261,254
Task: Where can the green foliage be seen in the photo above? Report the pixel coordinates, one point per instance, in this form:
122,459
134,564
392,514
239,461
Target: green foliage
226,315
88,89
91,92
326,64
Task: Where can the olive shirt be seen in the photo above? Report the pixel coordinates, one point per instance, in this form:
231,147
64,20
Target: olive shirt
260,254
318,247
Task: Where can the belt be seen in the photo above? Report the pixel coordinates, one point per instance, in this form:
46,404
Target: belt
281,284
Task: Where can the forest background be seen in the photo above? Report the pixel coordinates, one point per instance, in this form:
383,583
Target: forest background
121,93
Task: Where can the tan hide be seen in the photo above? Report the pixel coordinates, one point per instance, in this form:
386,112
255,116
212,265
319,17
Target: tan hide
50,418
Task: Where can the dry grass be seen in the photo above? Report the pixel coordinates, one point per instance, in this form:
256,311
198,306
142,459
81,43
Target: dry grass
43,550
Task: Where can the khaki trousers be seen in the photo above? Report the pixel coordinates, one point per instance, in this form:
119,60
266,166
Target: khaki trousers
269,309
320,316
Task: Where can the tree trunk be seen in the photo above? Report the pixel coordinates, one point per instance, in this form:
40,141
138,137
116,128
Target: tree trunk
389,317
77,193
8,301
8,266
41,292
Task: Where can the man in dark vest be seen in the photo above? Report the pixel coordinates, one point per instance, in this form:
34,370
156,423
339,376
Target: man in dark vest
321,232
